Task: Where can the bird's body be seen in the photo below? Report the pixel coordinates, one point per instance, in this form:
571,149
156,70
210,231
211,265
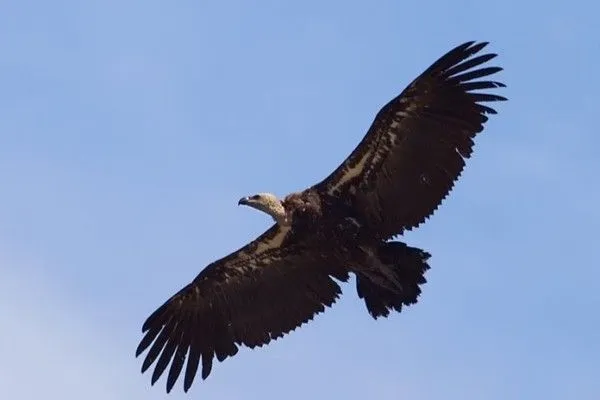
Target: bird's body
396,177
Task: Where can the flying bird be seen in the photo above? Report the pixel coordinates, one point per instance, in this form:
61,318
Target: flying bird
397,176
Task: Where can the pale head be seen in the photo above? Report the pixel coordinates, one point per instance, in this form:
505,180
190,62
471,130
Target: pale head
267,203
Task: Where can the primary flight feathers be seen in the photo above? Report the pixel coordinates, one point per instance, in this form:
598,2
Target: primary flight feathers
393,181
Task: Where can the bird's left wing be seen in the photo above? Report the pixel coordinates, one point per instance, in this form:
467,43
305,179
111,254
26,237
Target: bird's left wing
416,147
250,297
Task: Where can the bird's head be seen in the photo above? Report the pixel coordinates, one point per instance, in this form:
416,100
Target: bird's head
267,203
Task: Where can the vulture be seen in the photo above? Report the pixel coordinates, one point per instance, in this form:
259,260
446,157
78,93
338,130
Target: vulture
397,176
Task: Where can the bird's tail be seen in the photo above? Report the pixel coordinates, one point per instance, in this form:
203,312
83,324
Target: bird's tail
394,279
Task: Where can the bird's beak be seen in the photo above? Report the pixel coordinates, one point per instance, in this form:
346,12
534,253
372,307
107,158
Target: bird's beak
243,201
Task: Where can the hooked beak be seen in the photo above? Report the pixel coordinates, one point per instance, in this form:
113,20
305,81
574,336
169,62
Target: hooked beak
243,201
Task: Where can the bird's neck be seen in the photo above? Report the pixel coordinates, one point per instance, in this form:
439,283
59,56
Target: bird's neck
279,214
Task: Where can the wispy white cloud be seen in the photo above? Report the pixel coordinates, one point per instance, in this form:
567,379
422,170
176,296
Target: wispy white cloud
50,347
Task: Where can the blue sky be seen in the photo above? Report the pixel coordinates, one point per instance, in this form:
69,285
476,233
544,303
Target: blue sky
129,129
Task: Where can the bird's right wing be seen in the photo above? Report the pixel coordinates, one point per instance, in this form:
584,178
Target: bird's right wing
250,297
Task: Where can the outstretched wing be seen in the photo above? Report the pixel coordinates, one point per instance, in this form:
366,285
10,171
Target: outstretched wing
250,297
414,151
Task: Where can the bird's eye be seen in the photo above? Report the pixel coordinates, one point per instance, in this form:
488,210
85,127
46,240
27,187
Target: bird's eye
255,197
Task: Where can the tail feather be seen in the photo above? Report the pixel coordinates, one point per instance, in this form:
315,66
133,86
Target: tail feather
407,266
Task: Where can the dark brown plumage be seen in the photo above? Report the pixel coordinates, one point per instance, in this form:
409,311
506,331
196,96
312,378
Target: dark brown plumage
396,177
